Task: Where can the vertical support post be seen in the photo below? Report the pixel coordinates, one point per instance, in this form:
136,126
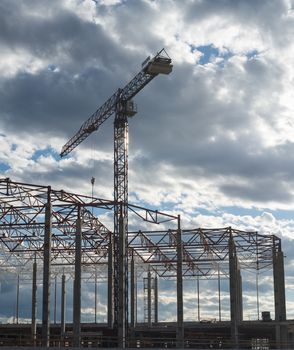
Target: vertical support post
47,272
279,295
257,295
198,298
17,300
149,301
34,304
55,296
219,295
122,284
180,309
95,291
121,205
235,292
133,291
63,307
155,299
240,295
110,298
257,279
77,282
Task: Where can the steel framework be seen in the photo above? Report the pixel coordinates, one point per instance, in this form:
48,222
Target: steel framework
22,218
62,232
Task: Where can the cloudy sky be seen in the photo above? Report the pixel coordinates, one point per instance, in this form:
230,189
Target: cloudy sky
213,141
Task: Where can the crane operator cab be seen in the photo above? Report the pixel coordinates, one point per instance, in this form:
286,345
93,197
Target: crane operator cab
128,108
160,64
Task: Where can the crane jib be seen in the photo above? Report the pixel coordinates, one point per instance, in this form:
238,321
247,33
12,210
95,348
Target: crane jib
152,67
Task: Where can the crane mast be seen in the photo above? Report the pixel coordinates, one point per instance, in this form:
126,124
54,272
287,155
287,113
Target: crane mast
120,104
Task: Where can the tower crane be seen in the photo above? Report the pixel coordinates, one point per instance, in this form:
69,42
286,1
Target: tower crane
122,106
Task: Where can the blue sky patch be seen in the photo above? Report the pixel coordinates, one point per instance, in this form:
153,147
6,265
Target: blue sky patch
46,152
208,52
251,54
4,167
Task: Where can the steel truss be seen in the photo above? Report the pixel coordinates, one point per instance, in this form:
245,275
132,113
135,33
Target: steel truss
205,251
22,225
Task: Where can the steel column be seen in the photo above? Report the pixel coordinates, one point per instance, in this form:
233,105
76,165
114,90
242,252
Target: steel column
198,299
55,296
219,295
257,294
240,294
63,307
47,272
133,276
155,299
95,296
235,292
77,283
279,297
34,304
110,280
122,321
17,300
180,309
149,300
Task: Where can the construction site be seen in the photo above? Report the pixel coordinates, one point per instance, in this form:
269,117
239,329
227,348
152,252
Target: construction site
49,235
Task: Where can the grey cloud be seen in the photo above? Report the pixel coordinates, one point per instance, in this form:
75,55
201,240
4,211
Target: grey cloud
50,102
262,13
178,115
264,191
59,36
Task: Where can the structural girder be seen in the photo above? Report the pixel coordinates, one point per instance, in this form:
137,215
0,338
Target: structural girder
205,251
